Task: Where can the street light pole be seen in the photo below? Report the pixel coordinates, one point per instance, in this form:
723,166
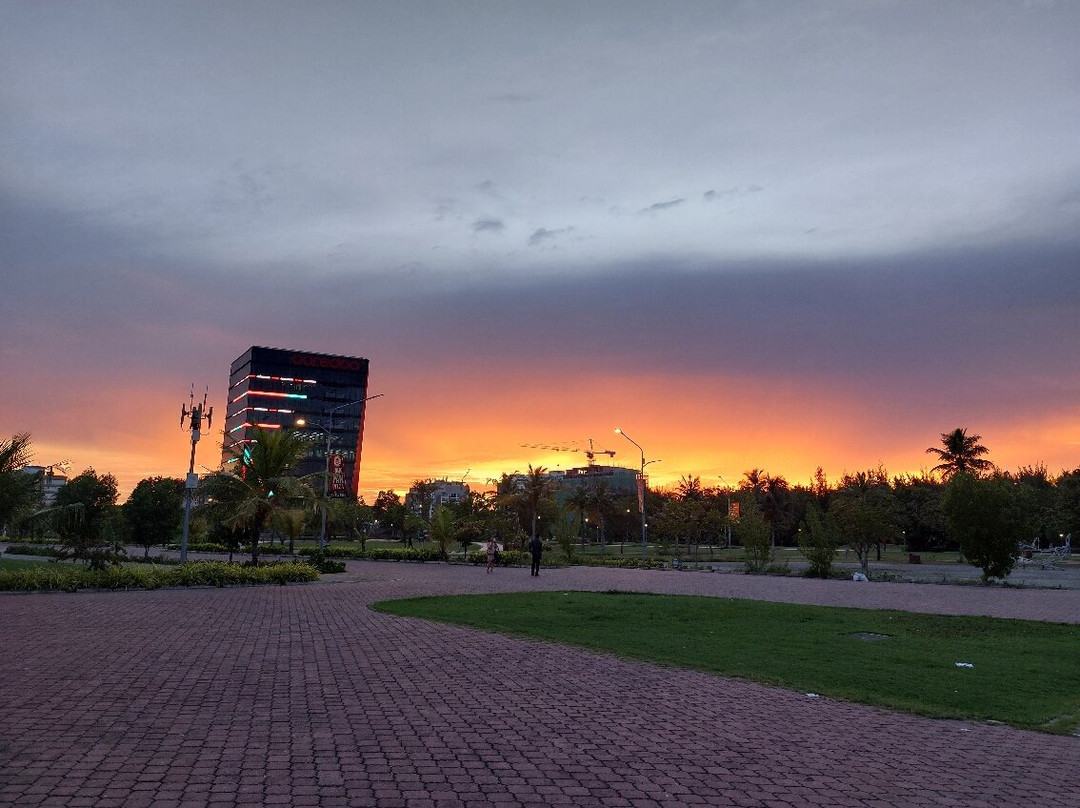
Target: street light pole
641,489
326,476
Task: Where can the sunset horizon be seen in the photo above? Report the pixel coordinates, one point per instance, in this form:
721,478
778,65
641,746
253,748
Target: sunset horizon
752,235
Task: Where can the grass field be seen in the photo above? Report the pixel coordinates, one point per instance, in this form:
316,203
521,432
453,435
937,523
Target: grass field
1023,673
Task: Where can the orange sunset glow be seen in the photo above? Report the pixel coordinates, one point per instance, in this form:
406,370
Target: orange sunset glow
474,428
751,235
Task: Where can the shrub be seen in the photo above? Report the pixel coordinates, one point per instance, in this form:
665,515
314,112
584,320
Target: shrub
35,550
319,561
622,563
405,554
338,551
71,578
202,547
983,515
818,542
756,538
506,558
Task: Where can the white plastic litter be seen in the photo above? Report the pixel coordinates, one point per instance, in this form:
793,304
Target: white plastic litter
858,576
812,696
965,664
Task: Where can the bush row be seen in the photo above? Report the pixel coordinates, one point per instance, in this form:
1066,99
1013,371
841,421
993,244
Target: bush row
621,562
69,578
35,550
506,558
404,554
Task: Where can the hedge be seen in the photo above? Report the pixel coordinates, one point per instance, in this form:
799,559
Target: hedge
69,578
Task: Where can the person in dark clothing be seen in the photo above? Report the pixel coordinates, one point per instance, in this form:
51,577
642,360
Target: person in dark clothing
536,547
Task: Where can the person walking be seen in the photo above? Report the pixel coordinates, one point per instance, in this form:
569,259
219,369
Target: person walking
492,549
536,547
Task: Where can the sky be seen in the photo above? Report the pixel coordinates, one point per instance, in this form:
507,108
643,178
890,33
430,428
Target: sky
750,234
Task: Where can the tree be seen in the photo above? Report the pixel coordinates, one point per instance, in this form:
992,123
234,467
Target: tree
389,513
87,526
443,527
982,515
755,535
818,541
863,511
690,488
579,503
289,522
1067,504
962,454
918,511
264,485
772,495
600,506
154,510
564,528
421,497
538,487
1034,498
19,492
354,517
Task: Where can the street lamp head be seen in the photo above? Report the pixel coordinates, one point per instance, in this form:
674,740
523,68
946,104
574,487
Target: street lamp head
618,431
300,422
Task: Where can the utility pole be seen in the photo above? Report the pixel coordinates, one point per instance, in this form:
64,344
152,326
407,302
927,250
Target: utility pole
194,414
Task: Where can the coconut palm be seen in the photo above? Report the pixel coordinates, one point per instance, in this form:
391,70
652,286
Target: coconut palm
19,491
962,454
290,522
579,502
600,503
264,485
538,487
443,527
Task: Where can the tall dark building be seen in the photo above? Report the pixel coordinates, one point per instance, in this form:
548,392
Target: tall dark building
274,388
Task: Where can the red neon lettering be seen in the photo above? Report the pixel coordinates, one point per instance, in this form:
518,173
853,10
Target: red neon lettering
328,362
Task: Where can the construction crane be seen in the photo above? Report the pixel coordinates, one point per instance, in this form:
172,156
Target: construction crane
590,453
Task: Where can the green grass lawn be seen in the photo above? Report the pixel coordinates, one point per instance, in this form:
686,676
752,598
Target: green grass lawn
1025,674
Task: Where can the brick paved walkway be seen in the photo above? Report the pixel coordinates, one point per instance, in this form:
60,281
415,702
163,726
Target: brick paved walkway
301,696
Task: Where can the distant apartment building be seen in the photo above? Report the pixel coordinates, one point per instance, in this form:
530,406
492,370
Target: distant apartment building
618,481
320,395
51,482
424,500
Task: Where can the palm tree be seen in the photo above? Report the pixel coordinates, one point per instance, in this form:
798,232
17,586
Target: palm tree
443,527
290,521
264,485
537,488
962,454
19,491
579,503
599,498
690,488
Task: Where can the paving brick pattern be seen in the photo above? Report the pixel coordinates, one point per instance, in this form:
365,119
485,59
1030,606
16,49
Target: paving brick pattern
301,696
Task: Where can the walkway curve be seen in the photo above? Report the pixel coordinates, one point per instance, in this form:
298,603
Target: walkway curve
301,695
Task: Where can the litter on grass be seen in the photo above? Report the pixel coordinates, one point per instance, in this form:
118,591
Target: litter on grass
965,664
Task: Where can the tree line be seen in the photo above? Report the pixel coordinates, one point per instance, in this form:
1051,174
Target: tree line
963,503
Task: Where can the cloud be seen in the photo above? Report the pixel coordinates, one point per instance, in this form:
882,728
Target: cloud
515,98
542,235
488,226
671,203
728,193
